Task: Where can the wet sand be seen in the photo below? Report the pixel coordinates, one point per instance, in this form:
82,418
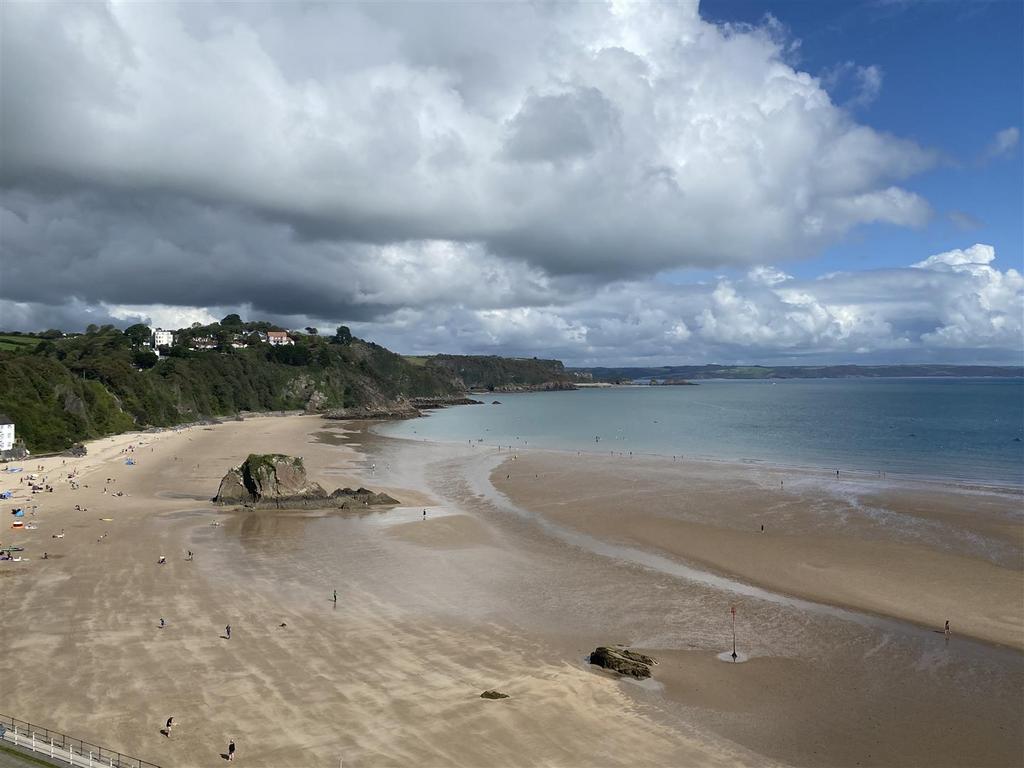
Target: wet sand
478,595
910,553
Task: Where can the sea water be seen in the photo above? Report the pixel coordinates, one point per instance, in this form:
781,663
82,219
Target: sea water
967,430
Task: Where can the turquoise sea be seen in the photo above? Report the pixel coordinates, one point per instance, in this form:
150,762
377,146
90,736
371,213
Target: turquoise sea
957,429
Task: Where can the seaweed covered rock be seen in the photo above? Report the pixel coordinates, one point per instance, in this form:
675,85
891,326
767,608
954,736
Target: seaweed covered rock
623,661
493,695
364,495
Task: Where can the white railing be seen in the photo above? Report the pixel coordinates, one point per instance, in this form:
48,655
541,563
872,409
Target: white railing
58,746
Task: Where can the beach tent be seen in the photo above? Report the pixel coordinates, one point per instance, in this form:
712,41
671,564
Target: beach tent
130,462
17,525
5,494
19,512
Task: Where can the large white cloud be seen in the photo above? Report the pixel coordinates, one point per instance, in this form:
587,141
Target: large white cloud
591,138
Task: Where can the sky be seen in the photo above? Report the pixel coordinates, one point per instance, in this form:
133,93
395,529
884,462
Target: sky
608,184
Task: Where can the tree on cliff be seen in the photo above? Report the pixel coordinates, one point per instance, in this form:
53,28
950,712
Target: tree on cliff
138,334
343,335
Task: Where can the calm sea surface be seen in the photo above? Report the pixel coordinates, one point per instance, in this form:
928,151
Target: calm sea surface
963,429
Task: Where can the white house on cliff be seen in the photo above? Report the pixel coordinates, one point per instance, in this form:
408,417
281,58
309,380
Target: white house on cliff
278,338
162,338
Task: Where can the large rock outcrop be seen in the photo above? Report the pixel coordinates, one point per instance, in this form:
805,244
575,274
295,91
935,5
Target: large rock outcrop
276,480
267,477
623,661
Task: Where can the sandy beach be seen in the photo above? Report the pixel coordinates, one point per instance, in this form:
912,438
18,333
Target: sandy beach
520,568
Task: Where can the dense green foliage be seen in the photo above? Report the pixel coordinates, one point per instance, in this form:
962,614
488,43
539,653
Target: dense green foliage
489,372
63,390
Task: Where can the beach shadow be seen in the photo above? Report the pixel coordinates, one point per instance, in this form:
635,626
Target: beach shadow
224,637
225,755
163,732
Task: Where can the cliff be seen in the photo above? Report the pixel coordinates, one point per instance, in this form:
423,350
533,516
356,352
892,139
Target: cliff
66,390
500,374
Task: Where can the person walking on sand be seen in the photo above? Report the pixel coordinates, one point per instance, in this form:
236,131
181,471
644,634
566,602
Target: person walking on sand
231,750
947,628
227,631
170,722
335,597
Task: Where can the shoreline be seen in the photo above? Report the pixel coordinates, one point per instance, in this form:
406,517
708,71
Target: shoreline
895,479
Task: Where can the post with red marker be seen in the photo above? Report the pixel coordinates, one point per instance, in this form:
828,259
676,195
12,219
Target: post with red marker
733,633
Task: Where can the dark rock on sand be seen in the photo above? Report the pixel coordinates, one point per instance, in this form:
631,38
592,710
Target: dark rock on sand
364,495
623,661
493,695
267,477
275,480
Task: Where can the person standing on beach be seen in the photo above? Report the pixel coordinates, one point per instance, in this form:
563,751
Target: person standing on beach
227,631
231,750
947,628
335,597
170,723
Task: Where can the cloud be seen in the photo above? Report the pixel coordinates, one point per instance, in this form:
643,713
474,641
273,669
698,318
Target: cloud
864,83
951,307
599,140
955,306
1003,143
964,221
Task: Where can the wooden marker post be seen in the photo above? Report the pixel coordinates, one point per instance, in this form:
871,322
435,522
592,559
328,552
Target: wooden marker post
733,633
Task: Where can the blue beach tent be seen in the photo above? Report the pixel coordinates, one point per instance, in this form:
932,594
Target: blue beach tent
5,494
19,512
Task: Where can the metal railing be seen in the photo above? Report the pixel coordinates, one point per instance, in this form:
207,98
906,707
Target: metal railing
60,746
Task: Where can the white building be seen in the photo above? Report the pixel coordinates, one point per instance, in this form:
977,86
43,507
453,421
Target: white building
278,338
162,338
6,433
